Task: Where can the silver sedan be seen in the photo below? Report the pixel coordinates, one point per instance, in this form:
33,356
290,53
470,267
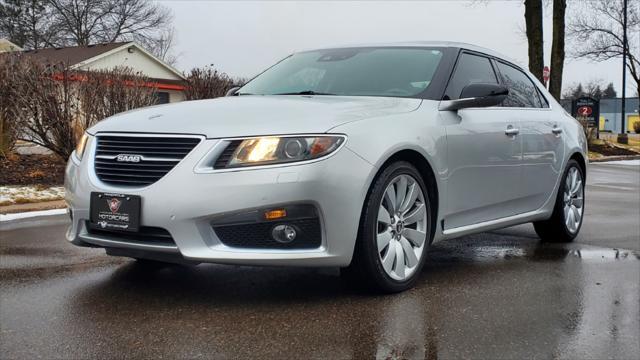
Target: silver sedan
357,157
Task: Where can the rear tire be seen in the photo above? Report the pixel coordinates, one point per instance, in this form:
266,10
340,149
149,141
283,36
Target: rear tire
568,212
395,231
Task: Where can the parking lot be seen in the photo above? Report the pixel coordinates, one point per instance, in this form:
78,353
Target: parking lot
500,294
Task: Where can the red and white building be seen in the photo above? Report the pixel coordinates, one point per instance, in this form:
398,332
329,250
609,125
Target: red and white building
169,82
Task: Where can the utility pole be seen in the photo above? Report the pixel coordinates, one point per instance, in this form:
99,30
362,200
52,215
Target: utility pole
622,137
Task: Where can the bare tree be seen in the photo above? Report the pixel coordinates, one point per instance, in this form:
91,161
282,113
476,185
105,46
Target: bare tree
533,21
557,48
162,48
38,23
207,83
27,23
595,89
596,31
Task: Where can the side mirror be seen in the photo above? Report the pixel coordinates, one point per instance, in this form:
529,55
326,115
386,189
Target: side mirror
232,91
476,95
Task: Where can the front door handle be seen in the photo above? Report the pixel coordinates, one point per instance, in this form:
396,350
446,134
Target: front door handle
511,131
556,130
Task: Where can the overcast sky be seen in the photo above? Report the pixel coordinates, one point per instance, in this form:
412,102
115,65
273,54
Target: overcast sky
242,38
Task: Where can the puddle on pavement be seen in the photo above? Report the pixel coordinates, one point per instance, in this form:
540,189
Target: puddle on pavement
471,249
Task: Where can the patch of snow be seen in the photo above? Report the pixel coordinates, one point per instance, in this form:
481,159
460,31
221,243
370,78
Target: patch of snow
29,194
622,162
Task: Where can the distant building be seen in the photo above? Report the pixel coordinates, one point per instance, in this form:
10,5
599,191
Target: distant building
169,82
610,111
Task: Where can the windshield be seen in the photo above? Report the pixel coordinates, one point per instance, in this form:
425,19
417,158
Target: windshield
402,72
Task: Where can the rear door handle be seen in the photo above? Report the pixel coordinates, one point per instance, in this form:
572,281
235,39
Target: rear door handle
511,131
556,130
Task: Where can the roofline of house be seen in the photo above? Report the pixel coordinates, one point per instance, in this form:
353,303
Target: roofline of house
11,45
125,46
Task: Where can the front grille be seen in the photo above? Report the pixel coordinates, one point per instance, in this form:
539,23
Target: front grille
157,156
146,235
258,235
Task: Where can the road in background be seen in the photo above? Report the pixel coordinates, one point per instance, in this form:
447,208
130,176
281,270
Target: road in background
499,294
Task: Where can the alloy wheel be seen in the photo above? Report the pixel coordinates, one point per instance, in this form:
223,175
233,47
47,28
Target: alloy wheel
573,200
401,227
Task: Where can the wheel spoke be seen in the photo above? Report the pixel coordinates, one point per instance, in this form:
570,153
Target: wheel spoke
578,185
383,216
416,215
412,195
383,240
570,220
401,191
390,197
389,258
410,255
399,265
576,215
416,237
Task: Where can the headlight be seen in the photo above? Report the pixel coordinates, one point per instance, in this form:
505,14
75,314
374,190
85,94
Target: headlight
278,150
81,145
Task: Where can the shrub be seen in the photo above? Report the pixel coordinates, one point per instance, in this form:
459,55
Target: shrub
207,83
8,131
52,105
590,132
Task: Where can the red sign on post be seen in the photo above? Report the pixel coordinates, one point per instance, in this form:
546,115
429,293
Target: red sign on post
545,74
585,111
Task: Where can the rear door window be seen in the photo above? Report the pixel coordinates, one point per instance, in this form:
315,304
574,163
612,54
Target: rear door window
471,69
522,92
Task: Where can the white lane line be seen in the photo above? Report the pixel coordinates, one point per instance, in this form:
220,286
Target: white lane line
30,214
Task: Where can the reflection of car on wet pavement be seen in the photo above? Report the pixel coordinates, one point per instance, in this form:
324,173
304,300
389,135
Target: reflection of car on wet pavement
355,157
501,294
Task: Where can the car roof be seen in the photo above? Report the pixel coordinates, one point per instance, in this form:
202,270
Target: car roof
446,44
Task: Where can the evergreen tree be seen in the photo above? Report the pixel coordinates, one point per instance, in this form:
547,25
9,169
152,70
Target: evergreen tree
609,92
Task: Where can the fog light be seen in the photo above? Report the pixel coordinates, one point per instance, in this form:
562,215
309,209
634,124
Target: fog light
284,233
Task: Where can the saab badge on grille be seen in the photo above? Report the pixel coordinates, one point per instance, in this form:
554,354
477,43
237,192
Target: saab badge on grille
128,158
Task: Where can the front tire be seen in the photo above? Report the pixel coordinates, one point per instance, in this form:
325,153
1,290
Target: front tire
394,232
568,212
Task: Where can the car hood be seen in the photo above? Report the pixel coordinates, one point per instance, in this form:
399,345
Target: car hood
255,115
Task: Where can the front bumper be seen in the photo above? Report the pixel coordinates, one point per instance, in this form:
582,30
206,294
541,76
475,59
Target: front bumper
186,201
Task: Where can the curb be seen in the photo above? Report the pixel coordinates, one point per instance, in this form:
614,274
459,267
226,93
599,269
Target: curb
33,218
31,214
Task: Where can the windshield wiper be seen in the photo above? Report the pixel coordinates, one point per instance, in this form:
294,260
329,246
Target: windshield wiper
305,92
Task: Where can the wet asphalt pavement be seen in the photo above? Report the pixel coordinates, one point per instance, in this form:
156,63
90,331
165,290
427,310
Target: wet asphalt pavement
500,294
